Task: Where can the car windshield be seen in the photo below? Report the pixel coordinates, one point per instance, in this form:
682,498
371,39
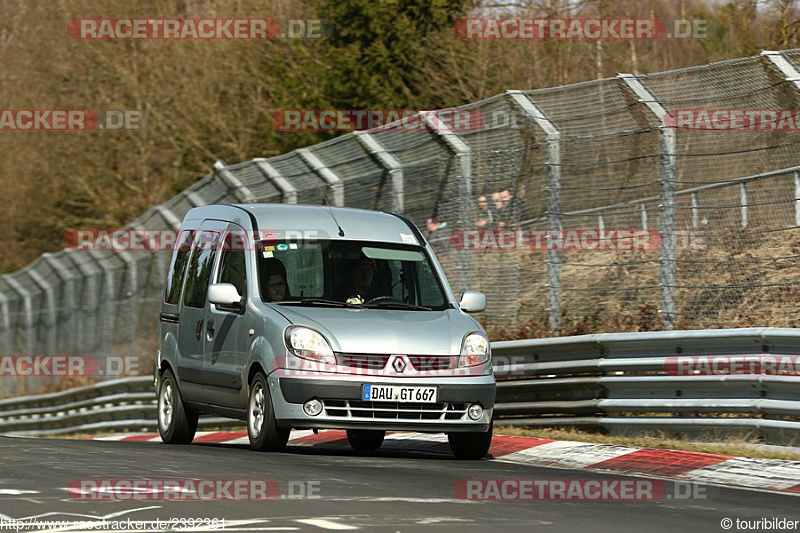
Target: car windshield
349,274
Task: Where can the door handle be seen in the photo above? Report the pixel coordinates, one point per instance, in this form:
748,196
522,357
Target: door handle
210,328
198,331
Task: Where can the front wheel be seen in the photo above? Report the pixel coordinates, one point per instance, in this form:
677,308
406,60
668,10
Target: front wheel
365,440
177,424
262,429
473,445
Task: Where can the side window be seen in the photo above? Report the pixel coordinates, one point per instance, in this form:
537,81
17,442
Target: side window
232,267
429,290
177,268
199,274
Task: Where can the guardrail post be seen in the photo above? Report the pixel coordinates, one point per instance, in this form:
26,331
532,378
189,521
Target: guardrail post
463,154
334,182
237,188
288,191
553,191
390,164
666,218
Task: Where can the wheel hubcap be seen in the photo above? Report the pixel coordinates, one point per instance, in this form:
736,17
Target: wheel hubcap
256,411
165,409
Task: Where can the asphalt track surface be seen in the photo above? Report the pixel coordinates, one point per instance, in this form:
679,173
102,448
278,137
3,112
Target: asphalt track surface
386,491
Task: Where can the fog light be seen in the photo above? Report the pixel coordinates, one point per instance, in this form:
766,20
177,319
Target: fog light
475,411
313,407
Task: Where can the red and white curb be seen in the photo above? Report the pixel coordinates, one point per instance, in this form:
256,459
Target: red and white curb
765,474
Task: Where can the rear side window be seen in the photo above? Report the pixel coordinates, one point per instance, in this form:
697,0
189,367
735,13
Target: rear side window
205,249
177,268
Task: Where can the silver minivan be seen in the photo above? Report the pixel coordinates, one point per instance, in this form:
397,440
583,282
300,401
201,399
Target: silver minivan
316,317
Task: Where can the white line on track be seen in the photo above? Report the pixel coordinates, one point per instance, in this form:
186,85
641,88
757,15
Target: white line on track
325,524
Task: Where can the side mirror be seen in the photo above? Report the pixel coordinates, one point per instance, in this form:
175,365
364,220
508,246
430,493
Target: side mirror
473,302
224,294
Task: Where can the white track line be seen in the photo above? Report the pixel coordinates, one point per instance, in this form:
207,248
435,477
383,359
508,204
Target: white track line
325,524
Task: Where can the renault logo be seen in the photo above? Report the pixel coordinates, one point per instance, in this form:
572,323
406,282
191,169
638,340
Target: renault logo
399,364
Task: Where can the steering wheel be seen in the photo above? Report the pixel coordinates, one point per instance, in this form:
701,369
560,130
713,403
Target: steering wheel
379,299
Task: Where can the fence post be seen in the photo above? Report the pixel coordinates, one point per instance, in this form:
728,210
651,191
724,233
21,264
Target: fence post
107,297
743,197
695,211
68,301
17,287
237,188
130,267
390,164
6,325
786,67
288,191
666,217
463,154
644,216
334,182
50,303
553,191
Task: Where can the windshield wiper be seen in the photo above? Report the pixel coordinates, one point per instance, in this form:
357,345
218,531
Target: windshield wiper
318,301
398,305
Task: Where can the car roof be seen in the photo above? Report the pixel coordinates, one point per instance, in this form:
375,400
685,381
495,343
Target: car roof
357,224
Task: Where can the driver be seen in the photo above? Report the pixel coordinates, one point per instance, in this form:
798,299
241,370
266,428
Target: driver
274,280
361,274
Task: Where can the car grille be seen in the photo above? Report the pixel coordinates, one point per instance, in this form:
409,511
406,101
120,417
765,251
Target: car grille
395,410
422,363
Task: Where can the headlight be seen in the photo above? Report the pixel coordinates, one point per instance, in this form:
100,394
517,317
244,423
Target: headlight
309,344
475,350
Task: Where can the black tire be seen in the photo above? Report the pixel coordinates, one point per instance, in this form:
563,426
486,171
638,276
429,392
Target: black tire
472,445
177,423
365,440
262,429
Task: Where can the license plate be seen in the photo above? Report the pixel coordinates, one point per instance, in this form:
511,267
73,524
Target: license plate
398,393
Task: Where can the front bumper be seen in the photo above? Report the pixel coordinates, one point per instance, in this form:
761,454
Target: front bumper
344,408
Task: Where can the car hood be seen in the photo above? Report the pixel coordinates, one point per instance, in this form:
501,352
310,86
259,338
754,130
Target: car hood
386,331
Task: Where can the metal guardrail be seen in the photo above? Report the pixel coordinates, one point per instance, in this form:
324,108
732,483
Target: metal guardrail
616,382
619,382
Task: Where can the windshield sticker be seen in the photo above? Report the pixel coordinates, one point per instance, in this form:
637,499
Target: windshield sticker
293,246
281,247
266,255
408,238
269,248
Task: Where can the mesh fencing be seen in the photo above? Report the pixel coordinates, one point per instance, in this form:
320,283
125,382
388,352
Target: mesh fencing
597,155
